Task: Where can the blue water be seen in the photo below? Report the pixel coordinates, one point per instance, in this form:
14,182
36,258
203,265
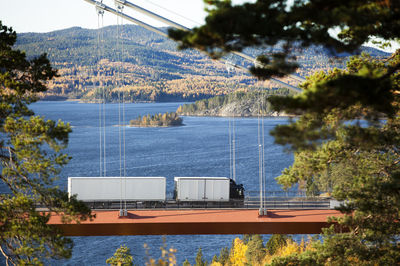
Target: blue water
200,148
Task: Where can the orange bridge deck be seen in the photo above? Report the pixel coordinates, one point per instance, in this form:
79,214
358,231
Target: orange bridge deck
183,222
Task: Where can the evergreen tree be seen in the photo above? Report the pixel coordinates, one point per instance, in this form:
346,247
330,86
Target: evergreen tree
351,152
275,242
199,261
255,250
290,24
186,263
224,256
121,257
346,138
31,159
215,259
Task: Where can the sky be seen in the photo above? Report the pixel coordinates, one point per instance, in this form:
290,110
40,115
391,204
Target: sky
51,15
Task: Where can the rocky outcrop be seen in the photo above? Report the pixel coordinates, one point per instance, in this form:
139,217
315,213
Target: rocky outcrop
241,108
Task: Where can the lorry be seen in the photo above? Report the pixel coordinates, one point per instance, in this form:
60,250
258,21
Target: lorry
202,188
117,188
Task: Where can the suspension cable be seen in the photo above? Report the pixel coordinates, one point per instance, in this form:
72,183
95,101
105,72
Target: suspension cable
230,147
123,114
263,145
259,152
104,104
174,13
119,112
232,137
100,13
121,119
233,148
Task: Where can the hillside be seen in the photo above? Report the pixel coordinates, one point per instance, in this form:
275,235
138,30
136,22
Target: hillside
149,69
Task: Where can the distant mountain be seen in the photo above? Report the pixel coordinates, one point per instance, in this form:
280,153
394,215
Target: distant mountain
78,46
149,67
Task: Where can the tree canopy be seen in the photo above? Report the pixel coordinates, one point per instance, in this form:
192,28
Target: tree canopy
346,135
121,257
290,24
31,158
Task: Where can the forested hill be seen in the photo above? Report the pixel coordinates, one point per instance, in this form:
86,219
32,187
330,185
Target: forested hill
149,69
78,47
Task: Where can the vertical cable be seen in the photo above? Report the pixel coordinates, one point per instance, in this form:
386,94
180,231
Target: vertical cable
233,146
260,169
233,149
124,138
123,111
119,115
263,144
104,104
99,93
230,147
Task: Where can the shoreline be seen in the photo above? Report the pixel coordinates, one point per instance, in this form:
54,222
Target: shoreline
156,126
193,115
239,116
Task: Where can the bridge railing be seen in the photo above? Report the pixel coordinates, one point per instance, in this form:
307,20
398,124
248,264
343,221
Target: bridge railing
281,194
233,204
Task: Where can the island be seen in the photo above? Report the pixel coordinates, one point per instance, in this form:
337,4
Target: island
158,120
239,104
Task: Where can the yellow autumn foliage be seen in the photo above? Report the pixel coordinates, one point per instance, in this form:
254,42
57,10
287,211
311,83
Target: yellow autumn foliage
167,256
290,248
237,256
237,253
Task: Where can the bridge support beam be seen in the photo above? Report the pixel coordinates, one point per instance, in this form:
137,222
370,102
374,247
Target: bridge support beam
188,222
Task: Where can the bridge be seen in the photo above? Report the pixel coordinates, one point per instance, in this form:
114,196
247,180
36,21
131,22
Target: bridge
282,217
202,221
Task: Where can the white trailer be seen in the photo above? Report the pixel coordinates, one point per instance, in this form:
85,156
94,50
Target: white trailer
202,188
115,188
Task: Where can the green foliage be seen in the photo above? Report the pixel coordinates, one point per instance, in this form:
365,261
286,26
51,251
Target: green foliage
199,261
25,236
186,263
158,120
347,134
275,242
255,250
223,256
31,159
346,143
121,257
231,27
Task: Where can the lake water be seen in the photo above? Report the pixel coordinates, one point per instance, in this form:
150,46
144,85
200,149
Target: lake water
200,148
